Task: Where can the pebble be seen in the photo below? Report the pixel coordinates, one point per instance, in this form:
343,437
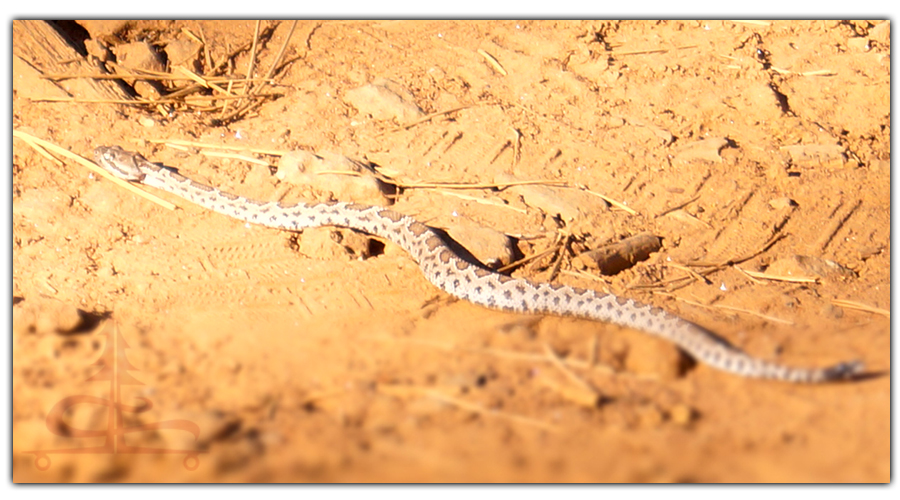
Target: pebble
648,355
880,166
385,100
816,153
705,150
782,203
184,53
681,414
330,243
881,33
809,267
358,184
859,44
491,247
568,204
141,56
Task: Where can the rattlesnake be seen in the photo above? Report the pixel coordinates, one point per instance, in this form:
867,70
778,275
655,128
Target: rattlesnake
464,279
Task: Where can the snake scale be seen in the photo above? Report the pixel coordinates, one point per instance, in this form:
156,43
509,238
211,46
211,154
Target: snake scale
464,279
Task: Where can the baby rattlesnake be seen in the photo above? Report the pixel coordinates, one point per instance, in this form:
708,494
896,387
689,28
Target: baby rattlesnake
464,279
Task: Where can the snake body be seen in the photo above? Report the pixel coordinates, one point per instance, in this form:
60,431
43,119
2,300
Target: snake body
464,279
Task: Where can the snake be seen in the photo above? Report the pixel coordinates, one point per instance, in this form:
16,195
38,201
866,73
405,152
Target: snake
466,278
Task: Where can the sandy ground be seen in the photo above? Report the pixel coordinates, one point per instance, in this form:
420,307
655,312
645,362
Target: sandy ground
297,360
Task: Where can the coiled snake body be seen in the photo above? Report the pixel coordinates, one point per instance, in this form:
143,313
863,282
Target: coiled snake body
464,279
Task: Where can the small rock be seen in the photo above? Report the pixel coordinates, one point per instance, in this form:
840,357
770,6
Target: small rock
816,153
184,53
491,247
681,414
880,166
588,66
258,176
385,100
832,311
859,44
782,203
97,49
809,267
330,243
705,150
582,396
358,184
866,252
650,355
568,204
881,33
141,56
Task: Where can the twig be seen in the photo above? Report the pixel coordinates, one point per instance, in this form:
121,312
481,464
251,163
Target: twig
252,62
203,145
649,51
617,204
491,202
638,52
737,260
513,265
281,51
850,304
473,185
589,276
32,141
255,91
678,207
151,102
493,62
558,363
775,277
751,278
753,313
818,72
248,159
694,274
562,243
215,69
727,308
202,81
151,75
206,54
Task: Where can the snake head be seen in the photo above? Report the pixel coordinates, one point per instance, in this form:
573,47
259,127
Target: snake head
123,164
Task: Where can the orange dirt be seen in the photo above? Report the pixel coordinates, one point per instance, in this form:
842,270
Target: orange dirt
320,369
